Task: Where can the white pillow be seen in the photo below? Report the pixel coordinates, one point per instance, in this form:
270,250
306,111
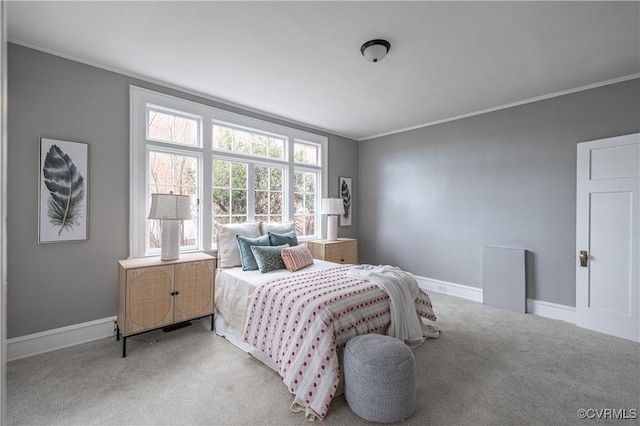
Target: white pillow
278,228
228,251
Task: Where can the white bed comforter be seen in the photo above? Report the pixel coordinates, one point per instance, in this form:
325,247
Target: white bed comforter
402,289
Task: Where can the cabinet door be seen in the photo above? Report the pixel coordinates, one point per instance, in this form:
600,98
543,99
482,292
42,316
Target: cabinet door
194,287
317,250
350,252
149,300
333,252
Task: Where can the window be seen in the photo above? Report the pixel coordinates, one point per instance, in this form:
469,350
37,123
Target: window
305,195
230,186
268,193
305,152
173,173
246,169
247,142
171,126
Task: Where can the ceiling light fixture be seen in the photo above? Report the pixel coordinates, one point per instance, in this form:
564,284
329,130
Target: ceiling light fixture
375,50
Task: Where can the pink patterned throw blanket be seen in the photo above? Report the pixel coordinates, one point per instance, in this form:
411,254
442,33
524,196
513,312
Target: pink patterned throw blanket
302,320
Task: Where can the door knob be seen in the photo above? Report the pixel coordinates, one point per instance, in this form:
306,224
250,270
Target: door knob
584,258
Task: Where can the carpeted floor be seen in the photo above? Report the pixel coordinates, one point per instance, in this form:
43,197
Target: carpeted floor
489,367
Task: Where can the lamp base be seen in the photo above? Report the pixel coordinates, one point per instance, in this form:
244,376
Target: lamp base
332,228
170,240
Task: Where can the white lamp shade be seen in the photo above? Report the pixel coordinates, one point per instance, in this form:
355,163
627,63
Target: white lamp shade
332,206
170,207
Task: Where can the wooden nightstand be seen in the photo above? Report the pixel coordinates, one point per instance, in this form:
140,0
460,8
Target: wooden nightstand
342,250
153,293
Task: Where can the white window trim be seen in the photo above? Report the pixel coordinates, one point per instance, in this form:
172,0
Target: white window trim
139,98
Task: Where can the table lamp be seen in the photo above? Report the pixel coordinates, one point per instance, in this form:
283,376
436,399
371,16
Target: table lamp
170,208
332,207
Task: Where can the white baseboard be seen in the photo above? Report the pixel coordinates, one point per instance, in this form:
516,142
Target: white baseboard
458,290
551,310
535,307
50,340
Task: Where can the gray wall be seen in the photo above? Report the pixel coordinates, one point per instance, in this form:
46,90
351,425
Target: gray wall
55,285
431,198
343,162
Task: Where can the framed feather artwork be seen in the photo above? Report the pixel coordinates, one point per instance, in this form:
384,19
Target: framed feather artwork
63,191
346,193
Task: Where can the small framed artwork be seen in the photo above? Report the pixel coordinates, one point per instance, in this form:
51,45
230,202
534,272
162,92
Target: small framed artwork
62,194
346,193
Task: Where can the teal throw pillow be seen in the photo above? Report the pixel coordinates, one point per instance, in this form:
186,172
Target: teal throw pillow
280,239
247,258
269,258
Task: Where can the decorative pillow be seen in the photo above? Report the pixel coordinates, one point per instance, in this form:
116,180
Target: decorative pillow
228,251
246,255
269,258
280,228
280,239
297,257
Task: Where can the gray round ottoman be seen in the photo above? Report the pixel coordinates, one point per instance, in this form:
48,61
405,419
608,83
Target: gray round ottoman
379,378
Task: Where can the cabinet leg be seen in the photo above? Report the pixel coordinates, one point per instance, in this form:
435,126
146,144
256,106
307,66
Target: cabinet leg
124,347
213,327
117,332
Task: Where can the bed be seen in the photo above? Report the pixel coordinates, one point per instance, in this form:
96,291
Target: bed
297,322
233,292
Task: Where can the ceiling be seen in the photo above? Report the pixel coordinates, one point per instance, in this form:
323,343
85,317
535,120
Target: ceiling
301,61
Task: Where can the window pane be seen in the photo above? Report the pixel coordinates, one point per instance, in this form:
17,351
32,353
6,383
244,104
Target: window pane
262,202
160,126
310,225
305,153
259,145
262,177
310,182
178,174
241,141
225,220
172,128
247,142
305,202
298,182
276,148
239,202
276,179
238,219
221,173
239,176
173,173
186,130
222,138
268,193
311,154
276,203
299,203
155,231
229,201
221,201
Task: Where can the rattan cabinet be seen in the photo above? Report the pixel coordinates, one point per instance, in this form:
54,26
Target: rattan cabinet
154,294
342,250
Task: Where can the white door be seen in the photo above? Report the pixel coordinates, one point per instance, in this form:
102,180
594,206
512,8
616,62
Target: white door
608,236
